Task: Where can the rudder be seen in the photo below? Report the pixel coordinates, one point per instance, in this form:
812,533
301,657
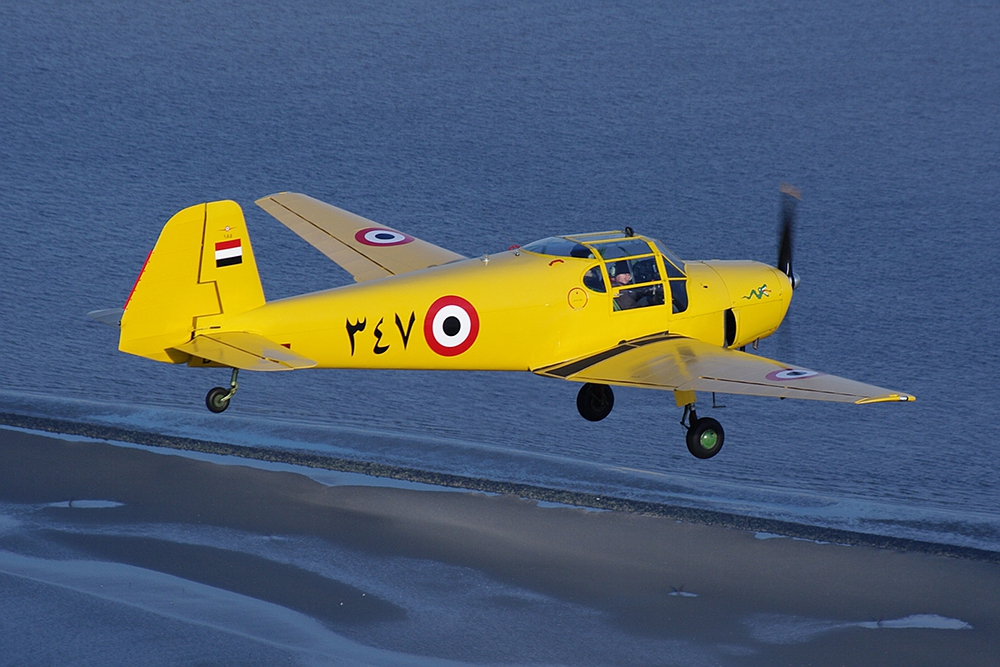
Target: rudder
201,269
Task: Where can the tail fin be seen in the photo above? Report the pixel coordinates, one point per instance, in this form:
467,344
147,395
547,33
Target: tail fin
201,269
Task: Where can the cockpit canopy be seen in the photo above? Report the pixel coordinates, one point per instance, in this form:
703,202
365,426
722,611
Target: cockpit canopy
630,267
607,246
560,246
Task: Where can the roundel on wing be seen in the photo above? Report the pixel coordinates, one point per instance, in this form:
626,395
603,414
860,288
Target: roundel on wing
791,374
379,236
451,326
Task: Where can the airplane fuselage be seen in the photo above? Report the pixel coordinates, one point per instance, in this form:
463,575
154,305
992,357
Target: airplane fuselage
513,311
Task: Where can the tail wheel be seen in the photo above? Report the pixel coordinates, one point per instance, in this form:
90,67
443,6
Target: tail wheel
217,399
595,401
705,438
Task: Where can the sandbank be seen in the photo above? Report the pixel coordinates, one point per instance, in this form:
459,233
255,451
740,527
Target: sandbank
720,594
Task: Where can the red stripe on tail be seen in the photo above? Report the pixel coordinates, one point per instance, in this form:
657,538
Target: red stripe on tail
136,284
226,245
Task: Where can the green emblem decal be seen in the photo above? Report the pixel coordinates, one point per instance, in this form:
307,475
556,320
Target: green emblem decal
758,293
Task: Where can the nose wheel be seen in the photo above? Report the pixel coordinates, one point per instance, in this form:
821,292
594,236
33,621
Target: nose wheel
218,398
704,435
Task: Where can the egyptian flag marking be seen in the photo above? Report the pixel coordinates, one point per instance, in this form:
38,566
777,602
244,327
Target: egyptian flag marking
228,253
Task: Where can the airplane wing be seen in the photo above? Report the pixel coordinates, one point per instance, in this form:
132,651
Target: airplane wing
666,361
363,248
243,350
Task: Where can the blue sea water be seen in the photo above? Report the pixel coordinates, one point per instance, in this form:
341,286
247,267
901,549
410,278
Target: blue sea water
476,125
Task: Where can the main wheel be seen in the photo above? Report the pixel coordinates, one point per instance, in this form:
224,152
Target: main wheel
705,438
595,401
217,399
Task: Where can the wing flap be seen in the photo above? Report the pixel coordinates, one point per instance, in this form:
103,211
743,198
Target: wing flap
683,364
341,236
244,350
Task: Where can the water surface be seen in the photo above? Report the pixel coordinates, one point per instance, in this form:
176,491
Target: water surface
479,125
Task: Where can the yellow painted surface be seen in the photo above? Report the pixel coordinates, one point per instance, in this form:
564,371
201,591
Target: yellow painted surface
533,309
525,318
891,398
577,298
239,349
682,398
180,287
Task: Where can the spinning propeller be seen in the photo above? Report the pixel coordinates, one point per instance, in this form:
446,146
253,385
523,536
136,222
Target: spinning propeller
790,196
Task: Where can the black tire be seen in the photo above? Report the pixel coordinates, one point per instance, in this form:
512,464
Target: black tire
595,401
214,399
705,438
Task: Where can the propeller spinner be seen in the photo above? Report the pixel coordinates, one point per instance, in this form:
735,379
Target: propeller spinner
790,196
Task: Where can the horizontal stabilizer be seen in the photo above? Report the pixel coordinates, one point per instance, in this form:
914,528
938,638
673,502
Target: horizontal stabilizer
243,350
666,361
109,316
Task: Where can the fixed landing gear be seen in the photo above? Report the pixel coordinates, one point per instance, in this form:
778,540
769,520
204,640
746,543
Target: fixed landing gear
704,435
595,401
218,398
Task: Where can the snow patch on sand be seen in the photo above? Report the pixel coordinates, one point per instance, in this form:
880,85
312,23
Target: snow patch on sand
781,629
931,621
681,593
87,504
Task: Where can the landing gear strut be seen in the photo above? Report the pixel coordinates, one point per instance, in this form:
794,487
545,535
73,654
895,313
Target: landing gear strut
595,401
218,398
704,435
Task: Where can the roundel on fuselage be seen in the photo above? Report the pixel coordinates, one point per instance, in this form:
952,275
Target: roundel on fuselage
451,326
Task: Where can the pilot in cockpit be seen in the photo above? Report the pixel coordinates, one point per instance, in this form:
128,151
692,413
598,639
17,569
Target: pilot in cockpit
620,273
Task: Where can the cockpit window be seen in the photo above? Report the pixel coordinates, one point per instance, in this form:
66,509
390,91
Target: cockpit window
679,295
623,248
560,247
639,297
594,281
672,271
643,274
633,271
671,258
594,237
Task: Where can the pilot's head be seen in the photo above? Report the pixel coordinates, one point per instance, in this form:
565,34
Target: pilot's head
623,274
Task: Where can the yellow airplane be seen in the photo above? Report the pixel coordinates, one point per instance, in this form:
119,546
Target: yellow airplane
602,309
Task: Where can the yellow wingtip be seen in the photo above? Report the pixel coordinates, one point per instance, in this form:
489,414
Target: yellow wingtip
891,398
